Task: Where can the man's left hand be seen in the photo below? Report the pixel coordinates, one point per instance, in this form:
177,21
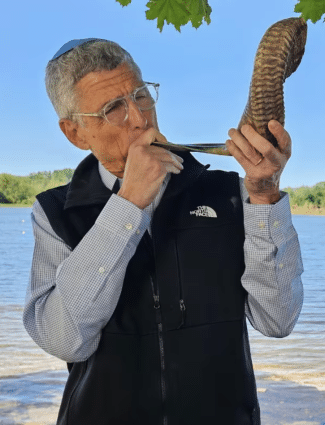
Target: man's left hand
262,179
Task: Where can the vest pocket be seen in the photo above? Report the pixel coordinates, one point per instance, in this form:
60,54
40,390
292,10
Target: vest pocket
210,267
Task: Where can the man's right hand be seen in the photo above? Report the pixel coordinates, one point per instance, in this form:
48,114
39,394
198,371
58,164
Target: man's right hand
146,168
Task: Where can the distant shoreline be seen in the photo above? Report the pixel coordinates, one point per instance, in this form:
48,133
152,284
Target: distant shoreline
305,210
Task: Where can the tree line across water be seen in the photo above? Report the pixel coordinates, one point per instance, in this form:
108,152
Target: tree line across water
22,190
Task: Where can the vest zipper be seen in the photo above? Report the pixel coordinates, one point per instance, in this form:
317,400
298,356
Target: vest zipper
161,350
181,301
148,244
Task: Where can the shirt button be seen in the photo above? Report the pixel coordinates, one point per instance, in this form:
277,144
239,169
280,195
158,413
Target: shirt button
101,269
129,226
276,224
138,231
280,266
261,224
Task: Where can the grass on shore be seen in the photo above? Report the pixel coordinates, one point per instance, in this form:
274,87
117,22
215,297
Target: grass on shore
307,210
15,206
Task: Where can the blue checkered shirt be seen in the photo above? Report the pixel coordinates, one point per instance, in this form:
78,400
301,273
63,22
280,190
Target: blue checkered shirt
71,295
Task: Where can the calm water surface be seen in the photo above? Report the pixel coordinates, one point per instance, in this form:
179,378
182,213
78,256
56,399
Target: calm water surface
298,357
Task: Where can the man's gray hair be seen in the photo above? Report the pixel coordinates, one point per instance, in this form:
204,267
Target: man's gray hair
63,73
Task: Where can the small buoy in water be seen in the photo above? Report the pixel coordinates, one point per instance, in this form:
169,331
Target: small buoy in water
23,232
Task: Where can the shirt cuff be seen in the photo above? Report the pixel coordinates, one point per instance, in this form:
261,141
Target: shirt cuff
269,221
123,218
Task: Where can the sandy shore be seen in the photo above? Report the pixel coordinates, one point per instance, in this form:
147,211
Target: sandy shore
34,399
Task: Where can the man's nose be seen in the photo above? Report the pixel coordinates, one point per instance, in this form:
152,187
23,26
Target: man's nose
135,115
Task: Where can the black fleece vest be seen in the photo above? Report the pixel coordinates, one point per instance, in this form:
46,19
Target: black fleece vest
173,352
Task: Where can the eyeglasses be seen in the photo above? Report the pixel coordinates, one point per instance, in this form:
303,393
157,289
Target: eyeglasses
116,111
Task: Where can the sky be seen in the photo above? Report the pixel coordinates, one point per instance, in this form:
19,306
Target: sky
204,77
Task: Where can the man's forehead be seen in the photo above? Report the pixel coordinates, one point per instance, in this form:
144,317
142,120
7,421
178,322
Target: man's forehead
113,79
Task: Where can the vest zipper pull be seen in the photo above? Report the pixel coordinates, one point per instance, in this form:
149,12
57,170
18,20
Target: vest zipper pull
183,308
156,301
157,307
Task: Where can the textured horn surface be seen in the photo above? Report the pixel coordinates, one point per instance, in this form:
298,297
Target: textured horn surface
278,56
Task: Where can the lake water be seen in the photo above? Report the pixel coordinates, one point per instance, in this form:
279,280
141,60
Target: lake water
298,358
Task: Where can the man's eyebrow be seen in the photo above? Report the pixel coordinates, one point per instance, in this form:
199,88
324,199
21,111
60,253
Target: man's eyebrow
119,97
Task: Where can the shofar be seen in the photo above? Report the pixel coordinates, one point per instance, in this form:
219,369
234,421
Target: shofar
278,56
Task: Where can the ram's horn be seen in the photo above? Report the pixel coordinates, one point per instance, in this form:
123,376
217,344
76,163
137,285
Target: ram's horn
278,56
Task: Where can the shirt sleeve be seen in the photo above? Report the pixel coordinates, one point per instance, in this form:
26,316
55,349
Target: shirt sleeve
272,277
71,295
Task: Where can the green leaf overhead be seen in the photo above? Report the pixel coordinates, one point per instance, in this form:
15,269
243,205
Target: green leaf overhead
124,2
172,11
180,12
176,12
311,9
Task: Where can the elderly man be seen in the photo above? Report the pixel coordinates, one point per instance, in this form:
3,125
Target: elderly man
146,265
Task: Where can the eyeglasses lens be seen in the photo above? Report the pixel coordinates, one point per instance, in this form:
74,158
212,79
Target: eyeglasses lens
145,99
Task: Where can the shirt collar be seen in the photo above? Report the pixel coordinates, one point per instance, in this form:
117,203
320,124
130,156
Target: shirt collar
107,177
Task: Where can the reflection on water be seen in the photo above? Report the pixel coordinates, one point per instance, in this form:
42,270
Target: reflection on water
32,399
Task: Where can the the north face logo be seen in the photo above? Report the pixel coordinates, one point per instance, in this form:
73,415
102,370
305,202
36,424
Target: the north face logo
204,211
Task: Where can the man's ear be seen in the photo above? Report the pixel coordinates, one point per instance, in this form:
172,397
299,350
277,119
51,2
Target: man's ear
72,132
